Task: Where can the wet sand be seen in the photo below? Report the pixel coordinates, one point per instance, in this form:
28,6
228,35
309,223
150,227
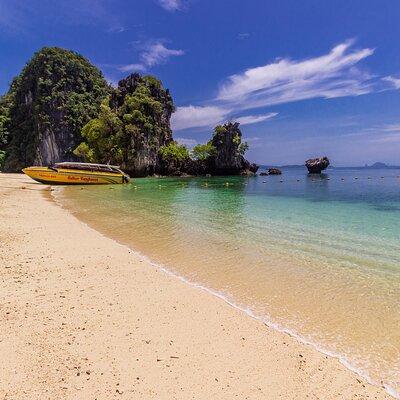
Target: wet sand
83,317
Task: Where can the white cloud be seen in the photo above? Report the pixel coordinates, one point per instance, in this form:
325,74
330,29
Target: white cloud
332,75
132,68
157,53
20,16
254,119
197,116
209,116
392,80
153,54
170,5
244,35
391,128
335,74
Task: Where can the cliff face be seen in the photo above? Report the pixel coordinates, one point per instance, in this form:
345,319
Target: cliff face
229,151
145,109
57,92
132,126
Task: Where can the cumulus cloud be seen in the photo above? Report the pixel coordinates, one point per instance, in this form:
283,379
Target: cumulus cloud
154,53
170,5
335,74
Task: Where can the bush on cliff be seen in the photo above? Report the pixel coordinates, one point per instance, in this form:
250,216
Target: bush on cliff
174,159
202,152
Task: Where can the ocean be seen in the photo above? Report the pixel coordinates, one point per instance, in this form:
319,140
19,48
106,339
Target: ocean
314,256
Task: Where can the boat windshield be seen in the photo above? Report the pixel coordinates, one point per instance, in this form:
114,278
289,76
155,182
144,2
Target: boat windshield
88,167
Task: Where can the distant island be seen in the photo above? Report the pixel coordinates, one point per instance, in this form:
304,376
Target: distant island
60,108
377,165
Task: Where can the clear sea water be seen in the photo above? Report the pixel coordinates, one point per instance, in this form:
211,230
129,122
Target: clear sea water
318,257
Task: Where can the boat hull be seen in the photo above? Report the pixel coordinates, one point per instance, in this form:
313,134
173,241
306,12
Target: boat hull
60,176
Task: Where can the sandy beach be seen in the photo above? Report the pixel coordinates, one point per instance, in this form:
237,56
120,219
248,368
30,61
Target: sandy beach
83,317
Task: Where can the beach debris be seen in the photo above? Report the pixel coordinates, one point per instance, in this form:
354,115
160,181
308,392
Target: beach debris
317,165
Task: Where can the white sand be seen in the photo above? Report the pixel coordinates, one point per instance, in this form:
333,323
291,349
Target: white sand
85,318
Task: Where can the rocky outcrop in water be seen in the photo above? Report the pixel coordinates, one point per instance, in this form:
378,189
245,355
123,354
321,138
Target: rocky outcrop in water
274,171
317,165
55,95
229,152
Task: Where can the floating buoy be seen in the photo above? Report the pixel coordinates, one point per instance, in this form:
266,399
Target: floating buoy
281,181
264,181
226,183
356,177
298,180
342,179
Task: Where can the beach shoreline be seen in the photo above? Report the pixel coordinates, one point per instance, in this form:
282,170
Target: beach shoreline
86,317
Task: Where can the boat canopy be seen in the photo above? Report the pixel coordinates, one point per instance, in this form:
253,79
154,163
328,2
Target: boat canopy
88,166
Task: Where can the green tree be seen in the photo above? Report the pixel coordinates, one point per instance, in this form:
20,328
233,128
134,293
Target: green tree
202,152
102,137
2,159
174,152
243,147
4,120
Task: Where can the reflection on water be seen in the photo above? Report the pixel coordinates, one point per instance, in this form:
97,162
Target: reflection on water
318,255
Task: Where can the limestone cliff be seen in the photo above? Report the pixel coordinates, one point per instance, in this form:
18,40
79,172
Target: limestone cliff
56,94
229,151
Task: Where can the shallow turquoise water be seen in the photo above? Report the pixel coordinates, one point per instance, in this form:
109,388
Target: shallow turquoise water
316,256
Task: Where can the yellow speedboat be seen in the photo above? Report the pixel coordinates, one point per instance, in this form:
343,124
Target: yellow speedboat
73,173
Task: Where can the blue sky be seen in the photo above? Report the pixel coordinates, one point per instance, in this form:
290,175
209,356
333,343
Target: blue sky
305,78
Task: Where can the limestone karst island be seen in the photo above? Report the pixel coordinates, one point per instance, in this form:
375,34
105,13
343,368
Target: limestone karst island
199,200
